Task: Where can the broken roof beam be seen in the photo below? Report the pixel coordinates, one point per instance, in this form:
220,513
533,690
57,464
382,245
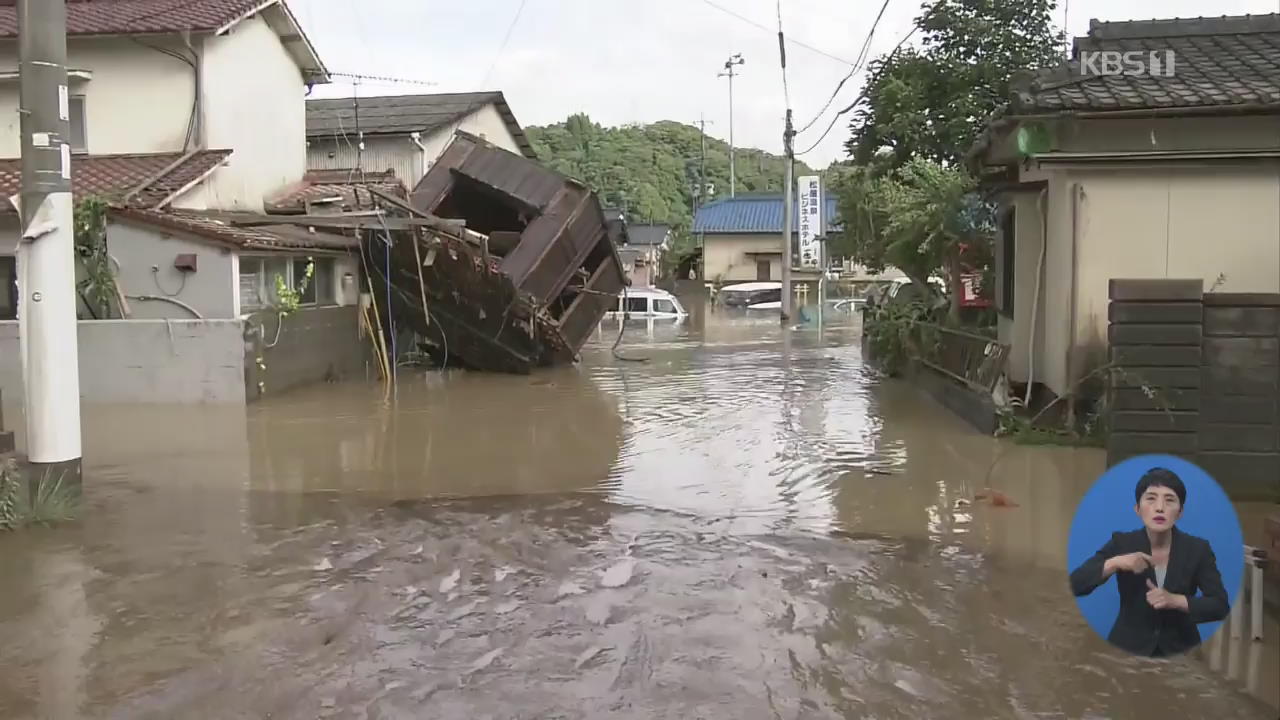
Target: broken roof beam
359,221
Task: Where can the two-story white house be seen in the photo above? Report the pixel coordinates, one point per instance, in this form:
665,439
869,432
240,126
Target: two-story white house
192,106
405,133
181,111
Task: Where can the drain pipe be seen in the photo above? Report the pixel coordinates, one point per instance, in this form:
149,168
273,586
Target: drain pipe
416,139
1076,192
1035,298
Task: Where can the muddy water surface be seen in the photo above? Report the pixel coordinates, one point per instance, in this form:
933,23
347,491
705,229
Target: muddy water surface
748,524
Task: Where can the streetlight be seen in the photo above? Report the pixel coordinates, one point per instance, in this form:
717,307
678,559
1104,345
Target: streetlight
733,61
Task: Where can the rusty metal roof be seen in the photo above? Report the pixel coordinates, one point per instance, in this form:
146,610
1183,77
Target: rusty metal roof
403,114
138,180
261,238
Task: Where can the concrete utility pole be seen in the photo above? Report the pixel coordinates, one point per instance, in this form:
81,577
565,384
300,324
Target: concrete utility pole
46,257
733,61
702,171
788,202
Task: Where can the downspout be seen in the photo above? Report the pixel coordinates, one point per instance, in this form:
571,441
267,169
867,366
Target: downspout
197,131
416,139
1035,298
1071,332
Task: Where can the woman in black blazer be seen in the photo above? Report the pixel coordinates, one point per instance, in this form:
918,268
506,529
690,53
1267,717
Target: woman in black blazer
1158,570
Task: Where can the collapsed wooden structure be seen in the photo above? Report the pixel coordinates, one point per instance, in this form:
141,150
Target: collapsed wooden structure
509,266
493,261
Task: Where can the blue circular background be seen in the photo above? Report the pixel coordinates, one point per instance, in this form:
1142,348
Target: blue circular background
1108,508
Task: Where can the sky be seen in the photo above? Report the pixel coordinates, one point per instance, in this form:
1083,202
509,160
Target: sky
640,61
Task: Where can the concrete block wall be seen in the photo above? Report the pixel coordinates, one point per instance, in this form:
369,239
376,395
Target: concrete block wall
1197,376
313,345
145,361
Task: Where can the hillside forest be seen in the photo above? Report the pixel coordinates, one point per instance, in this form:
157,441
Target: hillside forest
651,171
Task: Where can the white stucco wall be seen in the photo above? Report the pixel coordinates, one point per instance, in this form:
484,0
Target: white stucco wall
398,153
254,99
212,290
138,101
1167,221
725,257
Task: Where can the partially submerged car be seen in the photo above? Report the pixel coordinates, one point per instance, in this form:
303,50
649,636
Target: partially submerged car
643,303
762,295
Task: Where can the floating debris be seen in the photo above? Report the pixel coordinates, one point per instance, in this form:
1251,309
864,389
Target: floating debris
569,587
323,565
619,574
450,581
995,498
485,660
587,655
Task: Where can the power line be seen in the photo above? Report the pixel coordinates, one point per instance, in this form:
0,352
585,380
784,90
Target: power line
770,30
507,38
382,79
858,65
782,53
856,101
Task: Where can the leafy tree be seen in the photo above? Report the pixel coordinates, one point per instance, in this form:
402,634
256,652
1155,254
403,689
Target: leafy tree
933,102
907,199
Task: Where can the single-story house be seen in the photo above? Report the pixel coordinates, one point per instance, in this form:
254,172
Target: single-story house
642,252
405,134
741,236
1168,175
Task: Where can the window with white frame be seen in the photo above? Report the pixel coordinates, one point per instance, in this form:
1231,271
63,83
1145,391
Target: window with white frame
311,278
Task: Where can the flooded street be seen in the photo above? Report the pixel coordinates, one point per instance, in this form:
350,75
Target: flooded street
747,524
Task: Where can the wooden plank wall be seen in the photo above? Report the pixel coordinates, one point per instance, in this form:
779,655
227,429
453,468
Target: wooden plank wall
1197,376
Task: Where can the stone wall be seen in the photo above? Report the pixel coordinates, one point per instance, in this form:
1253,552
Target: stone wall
1197,375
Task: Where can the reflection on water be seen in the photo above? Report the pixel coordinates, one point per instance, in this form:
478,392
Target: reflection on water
733,518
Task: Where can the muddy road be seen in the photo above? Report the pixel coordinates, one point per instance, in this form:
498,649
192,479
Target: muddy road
748,524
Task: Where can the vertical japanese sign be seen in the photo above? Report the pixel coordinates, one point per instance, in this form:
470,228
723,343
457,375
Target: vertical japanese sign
810,217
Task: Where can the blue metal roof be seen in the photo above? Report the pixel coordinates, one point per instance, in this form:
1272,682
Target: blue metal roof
756,214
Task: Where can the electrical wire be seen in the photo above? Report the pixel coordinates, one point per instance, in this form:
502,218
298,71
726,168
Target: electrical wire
782,53
622,328
770,30
506,39
856,101
858,64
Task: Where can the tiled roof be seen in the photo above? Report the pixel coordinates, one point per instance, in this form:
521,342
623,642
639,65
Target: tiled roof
1226,61
403,114
647,234
118,17
338,190
755,214
262,238
154,176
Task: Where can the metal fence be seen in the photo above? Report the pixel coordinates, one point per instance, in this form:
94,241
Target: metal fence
1236,650
969,358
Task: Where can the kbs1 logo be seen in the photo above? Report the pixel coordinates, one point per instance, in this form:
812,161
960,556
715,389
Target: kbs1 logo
1140,63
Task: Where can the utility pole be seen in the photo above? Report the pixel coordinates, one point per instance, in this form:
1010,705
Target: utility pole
788,196
702,171
46,257
733,61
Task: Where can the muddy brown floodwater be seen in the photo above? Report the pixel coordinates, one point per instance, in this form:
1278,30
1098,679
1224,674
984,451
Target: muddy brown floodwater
749,524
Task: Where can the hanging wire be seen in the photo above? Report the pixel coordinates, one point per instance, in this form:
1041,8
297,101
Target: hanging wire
859,63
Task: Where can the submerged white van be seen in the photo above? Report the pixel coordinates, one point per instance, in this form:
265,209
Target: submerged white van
648,303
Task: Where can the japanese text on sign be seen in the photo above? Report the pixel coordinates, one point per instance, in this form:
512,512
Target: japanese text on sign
810,207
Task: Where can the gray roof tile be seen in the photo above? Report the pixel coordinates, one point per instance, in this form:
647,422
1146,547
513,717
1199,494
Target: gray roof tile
1217,62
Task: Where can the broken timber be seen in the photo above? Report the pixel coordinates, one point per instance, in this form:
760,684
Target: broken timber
522,286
